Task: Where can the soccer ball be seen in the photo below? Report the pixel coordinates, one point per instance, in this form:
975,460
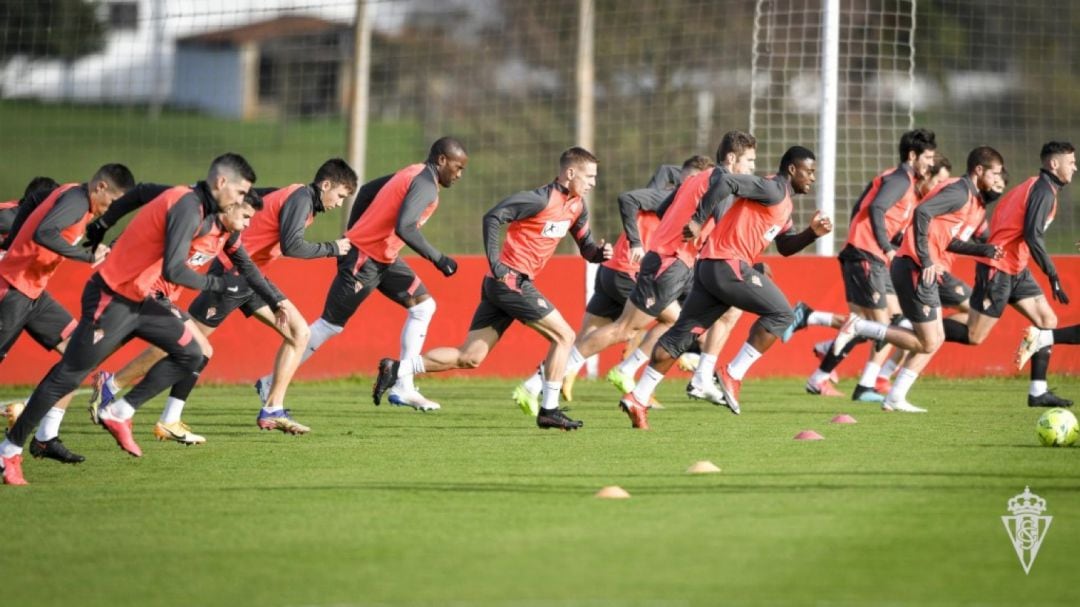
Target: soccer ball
1057,428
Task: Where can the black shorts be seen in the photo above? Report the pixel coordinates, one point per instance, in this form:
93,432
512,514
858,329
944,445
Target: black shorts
995,289
609,293
660,281
918,302
721,284
501,304
110,320
47,322
952,290
359,276
866,282
211,309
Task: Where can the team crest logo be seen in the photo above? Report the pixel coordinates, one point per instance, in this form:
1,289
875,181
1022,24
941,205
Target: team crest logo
540,302
876,297
1026,528
359,286
926,310
755,280
987,303
959,290
174,311
650,302
211,312
99,334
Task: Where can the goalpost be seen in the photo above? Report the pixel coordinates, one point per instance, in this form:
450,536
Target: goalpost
840,81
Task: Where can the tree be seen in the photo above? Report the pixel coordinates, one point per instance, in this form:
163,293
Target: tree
59,29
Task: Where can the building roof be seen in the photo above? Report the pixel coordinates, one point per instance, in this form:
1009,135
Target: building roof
281,27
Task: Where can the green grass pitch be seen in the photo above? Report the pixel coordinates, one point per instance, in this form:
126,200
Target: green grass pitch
474,505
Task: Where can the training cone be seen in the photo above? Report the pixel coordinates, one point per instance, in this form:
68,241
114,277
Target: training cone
844,418
703,467
614,492
809,435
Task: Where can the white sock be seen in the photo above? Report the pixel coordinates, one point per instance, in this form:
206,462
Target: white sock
269,408
1046,338
869,375
412,336
905,324
888,369
904,380
704,372
633,362
817,377
823,346
414,365
1037,387
870,328
819,319
9,449
174,408
535,383
121,409
551,395
645,387
49,428
574,362
113,386
746,357
320,332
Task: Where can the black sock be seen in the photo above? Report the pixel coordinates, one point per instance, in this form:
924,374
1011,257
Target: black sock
181,390
832,361
1040,363
1067,335
955,331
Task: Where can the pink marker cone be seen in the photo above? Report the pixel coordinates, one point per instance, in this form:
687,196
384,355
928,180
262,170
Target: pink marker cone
809,435
844,418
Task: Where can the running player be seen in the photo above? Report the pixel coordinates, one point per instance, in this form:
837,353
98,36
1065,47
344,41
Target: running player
725,277
388,215
943,224
1018,226
537,220
182,228
44,238
615,278
277,230
665,273
881,213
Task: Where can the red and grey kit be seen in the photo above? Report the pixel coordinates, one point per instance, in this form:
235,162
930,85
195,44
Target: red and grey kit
176,232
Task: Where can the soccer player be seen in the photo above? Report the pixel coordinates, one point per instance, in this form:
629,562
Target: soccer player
387,215
882,213
276,230
616,277
943,224
1018,226
665,272
11,210
537,220
45,237
725,277
178,230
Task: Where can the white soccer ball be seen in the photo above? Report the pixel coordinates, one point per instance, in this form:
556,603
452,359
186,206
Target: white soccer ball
1057,428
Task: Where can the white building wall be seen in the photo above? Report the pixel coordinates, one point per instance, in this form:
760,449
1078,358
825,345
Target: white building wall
209,80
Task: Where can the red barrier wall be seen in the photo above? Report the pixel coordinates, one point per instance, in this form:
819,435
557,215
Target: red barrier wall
244,349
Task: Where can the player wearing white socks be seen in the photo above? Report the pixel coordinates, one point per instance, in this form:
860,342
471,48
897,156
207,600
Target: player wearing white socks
537,221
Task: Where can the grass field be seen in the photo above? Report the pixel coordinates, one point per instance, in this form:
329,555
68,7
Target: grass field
473,505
